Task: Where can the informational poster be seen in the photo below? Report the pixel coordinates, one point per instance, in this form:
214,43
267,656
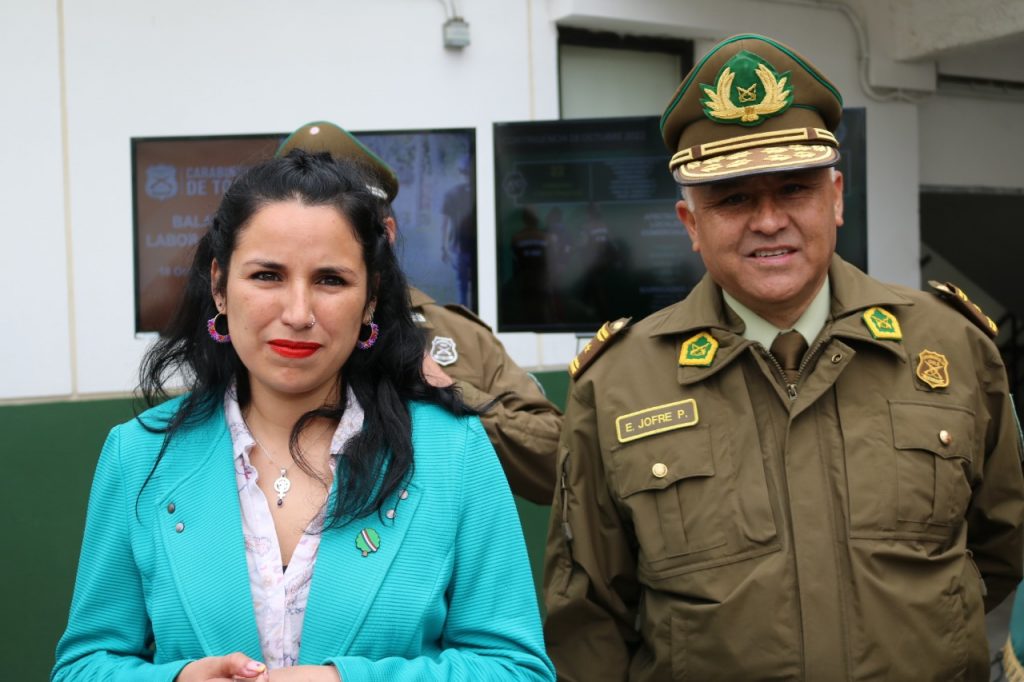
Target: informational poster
586,223
435,208
179,182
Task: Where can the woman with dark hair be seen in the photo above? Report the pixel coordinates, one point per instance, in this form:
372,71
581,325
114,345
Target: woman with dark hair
311,508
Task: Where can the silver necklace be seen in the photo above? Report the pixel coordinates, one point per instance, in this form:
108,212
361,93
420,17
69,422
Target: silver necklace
282,485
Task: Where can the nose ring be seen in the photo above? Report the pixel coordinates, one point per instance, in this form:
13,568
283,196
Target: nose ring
312,321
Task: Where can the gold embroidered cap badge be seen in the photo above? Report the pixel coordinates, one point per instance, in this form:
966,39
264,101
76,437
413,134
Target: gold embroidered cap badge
745,75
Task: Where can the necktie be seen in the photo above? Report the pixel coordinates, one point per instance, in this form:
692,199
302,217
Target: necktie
789,348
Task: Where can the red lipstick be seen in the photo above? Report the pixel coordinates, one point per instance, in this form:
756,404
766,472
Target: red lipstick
293,349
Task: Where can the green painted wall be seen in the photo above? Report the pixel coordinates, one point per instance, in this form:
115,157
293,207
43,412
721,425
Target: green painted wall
48,457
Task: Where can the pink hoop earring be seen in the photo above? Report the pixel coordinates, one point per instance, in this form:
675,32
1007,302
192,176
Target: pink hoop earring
371,339
211,328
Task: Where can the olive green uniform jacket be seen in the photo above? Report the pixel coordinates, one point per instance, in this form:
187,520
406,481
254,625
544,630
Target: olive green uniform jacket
522,424
730,532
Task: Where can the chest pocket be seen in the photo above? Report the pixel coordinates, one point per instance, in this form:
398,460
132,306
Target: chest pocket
691,502
934,450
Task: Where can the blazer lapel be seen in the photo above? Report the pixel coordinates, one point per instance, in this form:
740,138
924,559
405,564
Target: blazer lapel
351,565
204,542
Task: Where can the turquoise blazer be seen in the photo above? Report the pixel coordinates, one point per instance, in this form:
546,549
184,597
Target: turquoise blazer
163,580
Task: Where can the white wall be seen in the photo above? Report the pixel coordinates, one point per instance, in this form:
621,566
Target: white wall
606,82
196,67
972,142
236,66
35,349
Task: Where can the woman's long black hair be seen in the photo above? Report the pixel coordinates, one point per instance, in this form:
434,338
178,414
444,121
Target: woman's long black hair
383,378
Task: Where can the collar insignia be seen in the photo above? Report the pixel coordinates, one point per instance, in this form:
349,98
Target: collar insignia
933,369
442,349
743,79
698,351
882,324
418,318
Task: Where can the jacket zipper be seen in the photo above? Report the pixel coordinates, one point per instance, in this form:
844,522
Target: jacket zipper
791,387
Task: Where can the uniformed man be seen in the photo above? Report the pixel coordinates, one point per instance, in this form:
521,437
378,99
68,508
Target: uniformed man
735,505
521,422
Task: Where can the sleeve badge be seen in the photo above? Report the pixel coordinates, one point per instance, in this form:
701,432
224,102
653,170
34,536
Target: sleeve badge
442,349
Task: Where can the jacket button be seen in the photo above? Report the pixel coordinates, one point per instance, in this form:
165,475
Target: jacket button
171,508
837,358
179,527
945,437
659,470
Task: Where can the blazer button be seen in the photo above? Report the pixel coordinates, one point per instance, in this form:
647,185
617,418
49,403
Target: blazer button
170,508
179,527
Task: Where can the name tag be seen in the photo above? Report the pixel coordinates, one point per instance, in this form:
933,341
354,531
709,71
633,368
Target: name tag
657,419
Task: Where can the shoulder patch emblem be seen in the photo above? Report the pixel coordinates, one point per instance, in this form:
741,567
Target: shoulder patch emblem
698,351
958,299
933,369
442,349
607,333
882,324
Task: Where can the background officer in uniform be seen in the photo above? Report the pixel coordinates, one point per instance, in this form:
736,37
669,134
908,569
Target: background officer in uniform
522,424
735,505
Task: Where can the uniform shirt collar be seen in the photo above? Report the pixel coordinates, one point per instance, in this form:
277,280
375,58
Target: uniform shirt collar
764,332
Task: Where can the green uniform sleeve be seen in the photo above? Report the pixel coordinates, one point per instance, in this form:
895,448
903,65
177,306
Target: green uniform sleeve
590,585
524,427
522,424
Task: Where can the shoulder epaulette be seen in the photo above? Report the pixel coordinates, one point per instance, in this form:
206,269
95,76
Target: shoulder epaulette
467,313
608,332
958,299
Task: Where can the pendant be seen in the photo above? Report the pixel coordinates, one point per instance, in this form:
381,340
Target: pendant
282,485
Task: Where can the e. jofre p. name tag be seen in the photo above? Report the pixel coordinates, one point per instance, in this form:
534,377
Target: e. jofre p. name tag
657,419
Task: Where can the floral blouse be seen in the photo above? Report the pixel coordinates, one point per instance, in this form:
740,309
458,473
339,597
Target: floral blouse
278,596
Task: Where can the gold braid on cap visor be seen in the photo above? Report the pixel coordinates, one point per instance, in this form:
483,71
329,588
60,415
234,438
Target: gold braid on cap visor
689,159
